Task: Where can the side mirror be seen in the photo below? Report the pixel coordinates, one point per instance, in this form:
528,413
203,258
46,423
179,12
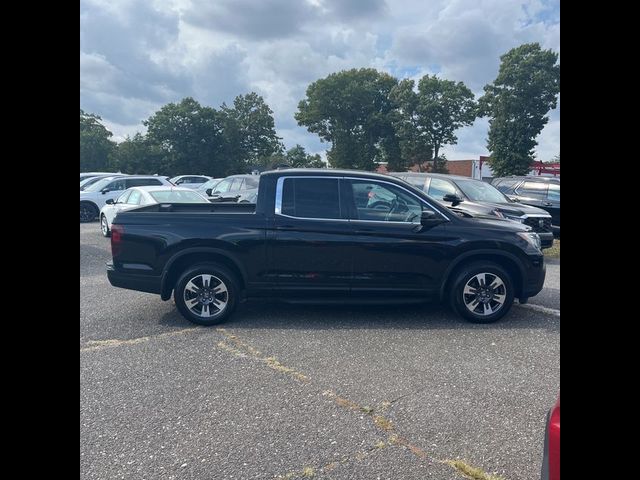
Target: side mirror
109,201
208,191
453,198
429,218
105,190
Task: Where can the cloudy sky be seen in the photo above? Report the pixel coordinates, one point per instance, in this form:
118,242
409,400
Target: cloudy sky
137,55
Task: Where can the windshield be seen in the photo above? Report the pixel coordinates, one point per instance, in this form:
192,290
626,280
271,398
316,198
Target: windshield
177,196
99,185
209,184
478,191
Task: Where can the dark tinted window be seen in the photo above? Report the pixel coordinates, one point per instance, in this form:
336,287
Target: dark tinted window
506,185
117,185
533,190
554,192
141,182
311,197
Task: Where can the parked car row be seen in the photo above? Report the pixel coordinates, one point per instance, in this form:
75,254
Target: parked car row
139,196
95,196
541,192
476,198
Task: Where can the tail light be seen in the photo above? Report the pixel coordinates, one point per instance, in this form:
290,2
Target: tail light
554,442
116,239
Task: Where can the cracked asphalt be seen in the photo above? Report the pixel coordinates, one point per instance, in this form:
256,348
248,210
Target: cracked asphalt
289,392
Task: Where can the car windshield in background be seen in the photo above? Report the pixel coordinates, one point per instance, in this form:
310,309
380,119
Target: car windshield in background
481,191
173,196
99,185
209,184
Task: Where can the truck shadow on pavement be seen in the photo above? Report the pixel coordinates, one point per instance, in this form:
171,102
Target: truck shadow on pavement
274,315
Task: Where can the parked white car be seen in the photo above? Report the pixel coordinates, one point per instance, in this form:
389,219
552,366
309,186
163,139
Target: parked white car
95,174
139,196
94,197
190,181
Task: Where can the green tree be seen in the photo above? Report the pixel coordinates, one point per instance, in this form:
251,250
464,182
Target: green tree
427,120
517,102
96,145
190,136
250,131
351,110
413,138
297,157
138,154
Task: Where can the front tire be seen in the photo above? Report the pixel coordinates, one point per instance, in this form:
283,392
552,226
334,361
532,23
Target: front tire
206,294
482,292
104,226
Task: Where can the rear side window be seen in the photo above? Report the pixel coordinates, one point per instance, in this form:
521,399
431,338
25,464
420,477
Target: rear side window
311,197
533,190
141,182
505,186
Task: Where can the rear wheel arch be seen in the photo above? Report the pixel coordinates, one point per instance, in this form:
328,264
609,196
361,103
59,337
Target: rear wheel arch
184,260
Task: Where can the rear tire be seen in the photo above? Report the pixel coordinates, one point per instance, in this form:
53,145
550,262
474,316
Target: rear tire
104,226
206,294
482,292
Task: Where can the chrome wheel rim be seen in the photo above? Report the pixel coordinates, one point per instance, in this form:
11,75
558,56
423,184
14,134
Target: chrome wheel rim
105,227
206,296
484,294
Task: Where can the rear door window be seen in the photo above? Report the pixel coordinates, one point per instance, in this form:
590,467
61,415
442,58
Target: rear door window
310,198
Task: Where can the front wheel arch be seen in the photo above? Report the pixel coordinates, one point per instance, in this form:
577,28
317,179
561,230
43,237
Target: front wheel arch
504,259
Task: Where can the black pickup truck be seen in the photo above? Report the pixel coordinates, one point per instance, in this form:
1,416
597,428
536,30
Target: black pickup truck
323,236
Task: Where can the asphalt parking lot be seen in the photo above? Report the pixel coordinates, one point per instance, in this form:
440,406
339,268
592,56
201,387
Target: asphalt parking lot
309,392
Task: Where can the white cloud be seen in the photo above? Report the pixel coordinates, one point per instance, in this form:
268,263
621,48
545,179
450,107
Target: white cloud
137,55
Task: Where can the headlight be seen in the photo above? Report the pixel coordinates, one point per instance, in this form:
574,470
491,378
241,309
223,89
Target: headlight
531,237
515,218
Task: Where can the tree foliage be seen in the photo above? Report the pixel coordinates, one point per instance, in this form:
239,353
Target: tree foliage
426,120
250,130
351,110
96,145
517,102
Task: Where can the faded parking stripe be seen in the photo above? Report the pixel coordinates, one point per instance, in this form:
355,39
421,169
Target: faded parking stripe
93,345
539,308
